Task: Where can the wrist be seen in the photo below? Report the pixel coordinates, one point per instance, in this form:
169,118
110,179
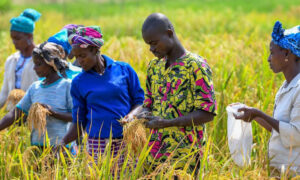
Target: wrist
257,113
52,113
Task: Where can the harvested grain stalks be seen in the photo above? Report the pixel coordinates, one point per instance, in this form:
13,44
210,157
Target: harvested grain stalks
135,134
14,97
37,118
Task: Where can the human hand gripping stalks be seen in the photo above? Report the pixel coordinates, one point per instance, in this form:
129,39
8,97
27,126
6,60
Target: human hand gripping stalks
135,133
13,98
37,117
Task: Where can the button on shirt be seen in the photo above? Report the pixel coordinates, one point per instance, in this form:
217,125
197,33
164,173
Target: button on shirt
284,147
99,101
19,69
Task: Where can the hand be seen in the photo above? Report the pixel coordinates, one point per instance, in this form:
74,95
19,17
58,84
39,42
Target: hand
49,108
128,118
144,115
155,122
249,114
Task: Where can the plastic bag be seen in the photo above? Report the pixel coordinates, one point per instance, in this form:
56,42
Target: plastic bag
239,135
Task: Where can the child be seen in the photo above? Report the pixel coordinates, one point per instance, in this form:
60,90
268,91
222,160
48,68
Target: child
53,92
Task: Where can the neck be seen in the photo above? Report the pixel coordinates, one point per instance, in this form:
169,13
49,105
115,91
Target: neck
100,65
175,53
51,78
291,72
27,52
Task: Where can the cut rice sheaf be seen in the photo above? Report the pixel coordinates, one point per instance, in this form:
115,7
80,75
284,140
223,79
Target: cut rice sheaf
135,134
37,118
14,97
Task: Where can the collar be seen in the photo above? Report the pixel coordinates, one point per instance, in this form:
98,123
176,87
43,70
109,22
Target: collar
292,84
109,61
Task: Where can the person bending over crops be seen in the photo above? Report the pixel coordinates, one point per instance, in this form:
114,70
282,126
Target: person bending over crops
103,93
19,72
284,145
53,94
179,98
61,38
70,28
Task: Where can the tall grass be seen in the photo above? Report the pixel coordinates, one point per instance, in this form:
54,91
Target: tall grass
232,35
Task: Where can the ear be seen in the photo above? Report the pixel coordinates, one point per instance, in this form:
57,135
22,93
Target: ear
29,36
94,50
170,33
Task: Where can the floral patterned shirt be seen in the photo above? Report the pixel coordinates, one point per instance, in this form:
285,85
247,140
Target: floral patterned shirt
185,86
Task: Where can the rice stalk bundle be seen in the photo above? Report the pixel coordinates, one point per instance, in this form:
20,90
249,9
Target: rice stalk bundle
135,134
37,118
14,97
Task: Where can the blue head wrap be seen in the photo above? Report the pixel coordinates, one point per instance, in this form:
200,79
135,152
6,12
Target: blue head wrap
25,22
287,39
61,38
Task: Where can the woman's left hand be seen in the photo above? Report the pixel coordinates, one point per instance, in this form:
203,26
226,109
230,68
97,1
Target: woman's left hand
249,114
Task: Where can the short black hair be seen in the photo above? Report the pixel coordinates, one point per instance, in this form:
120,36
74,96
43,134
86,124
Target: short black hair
157,20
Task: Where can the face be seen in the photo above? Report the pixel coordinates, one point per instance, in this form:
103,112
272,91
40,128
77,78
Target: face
21,40
41,68
277,58
86,57
160,43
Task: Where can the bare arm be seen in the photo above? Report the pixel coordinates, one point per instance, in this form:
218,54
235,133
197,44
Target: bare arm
72,134
194,118
10,118
265,120
263,123
62,116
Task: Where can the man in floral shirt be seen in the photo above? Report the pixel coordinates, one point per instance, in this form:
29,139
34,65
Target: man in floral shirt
179,99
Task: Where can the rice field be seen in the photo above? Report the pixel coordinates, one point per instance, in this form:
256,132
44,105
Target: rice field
232,35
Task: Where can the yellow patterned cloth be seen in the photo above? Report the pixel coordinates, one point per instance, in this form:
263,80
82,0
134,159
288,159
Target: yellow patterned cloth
185,86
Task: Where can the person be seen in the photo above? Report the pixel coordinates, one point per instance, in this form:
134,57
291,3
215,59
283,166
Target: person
53,93
19,72
179,99
106,91
70,28
61,38
284,144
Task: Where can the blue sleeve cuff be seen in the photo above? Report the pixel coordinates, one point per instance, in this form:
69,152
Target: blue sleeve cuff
19,107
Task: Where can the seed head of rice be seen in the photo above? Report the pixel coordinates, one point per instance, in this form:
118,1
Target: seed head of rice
37,118
14,97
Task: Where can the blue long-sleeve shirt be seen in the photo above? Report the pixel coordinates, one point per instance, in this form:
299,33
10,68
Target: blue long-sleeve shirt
99,101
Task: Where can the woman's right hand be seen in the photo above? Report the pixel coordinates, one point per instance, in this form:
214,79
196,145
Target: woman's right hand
249,114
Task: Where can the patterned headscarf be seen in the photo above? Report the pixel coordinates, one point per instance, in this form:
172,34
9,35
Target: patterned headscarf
61,37
287,39
87,36
53,55
25,22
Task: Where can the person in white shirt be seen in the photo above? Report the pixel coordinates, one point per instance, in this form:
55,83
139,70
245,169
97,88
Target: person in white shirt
19,73
284,144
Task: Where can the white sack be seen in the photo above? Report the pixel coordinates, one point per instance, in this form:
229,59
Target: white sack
239,135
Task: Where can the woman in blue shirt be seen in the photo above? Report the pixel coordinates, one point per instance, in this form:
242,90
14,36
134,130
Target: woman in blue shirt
102,94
